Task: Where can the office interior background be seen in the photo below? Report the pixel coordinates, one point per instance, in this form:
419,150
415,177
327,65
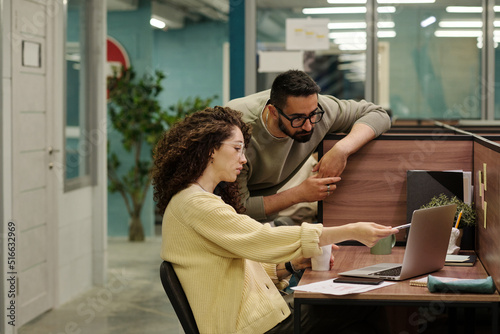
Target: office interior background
419,59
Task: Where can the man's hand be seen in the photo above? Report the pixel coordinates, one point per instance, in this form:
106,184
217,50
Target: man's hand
332,163
315,188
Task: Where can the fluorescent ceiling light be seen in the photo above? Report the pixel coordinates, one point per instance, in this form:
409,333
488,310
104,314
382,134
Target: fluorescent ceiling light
458,33
346,25
350,35
157,23
428,21
359,36
386,34
351,2
386,9
346,2
352,47
464,9
341,41
346,10
334,10
405,1
358,25
461,24
386,24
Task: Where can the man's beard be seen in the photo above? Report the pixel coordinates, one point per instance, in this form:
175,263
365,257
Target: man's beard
299,136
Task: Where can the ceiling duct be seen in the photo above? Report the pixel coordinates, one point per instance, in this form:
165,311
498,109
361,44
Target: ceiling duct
115,5
173,18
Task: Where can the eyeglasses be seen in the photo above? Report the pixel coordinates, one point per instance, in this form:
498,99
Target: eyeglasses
299,121
240,147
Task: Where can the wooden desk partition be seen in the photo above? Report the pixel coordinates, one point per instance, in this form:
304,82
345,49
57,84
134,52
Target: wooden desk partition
373,185
488,230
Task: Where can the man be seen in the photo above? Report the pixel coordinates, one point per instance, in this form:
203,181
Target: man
288,123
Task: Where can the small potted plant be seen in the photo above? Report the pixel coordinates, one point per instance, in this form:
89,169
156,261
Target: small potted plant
467,221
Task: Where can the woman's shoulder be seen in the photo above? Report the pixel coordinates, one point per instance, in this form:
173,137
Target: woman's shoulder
195,196
191,204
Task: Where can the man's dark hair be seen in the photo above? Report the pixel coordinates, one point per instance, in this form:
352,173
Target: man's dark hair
292,83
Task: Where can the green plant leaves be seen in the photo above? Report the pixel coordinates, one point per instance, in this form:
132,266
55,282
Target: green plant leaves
468,215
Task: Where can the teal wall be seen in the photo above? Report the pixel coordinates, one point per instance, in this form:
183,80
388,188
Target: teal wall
132,30
190,57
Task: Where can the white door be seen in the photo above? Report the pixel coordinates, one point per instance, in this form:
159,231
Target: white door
31,183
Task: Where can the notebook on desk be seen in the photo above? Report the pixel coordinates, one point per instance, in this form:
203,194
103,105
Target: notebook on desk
425,249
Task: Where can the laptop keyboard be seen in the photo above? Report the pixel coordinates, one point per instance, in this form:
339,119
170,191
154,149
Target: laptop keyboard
389,272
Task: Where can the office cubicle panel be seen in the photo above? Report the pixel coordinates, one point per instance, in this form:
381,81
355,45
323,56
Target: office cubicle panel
487,201
373,185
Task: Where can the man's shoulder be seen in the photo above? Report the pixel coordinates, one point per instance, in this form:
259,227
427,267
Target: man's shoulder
250,105
328,100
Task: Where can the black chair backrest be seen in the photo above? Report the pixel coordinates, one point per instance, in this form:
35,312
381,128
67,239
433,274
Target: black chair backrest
178,298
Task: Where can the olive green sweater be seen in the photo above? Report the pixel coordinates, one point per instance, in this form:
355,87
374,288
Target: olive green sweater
273,161
219,257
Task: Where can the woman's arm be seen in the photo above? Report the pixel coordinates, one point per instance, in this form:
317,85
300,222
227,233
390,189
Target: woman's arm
365,232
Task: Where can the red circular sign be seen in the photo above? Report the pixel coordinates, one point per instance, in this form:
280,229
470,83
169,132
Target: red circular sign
116,56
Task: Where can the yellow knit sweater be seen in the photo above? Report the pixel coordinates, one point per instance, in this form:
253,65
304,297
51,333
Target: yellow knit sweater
219,257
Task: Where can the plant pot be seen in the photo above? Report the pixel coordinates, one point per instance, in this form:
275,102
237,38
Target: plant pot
468,240
136,232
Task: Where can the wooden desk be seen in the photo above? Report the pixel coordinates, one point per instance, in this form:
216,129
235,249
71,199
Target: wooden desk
401,293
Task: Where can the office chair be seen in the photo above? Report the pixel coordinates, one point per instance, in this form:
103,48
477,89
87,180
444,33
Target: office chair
178,298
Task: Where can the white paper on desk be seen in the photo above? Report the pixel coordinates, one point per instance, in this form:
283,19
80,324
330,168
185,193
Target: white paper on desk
339,289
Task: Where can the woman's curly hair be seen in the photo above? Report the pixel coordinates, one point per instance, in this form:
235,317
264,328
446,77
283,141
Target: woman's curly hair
182,154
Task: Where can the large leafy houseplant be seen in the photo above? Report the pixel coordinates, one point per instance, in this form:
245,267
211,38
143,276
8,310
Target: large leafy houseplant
136,114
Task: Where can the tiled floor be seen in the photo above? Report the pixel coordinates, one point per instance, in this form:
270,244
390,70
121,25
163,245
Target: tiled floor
133,301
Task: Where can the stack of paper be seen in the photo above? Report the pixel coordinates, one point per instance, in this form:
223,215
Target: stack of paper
339,289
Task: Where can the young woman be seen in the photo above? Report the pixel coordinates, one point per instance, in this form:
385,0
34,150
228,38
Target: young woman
230,266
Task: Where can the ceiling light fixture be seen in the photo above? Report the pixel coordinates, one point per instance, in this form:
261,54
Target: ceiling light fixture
464,9
405,1
359,35
345,10
461,24
358,25
157,23
458,33
334,10
350,2
428,21
346,25
346,2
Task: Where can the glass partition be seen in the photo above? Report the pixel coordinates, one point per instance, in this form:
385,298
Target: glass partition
435,61
340,69
76,150
429,53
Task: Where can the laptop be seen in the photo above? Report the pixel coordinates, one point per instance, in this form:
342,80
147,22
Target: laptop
426,246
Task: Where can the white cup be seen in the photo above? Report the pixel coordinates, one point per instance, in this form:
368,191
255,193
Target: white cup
454,244
322,262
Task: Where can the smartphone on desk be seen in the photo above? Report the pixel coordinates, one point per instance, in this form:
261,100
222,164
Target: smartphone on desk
358,280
